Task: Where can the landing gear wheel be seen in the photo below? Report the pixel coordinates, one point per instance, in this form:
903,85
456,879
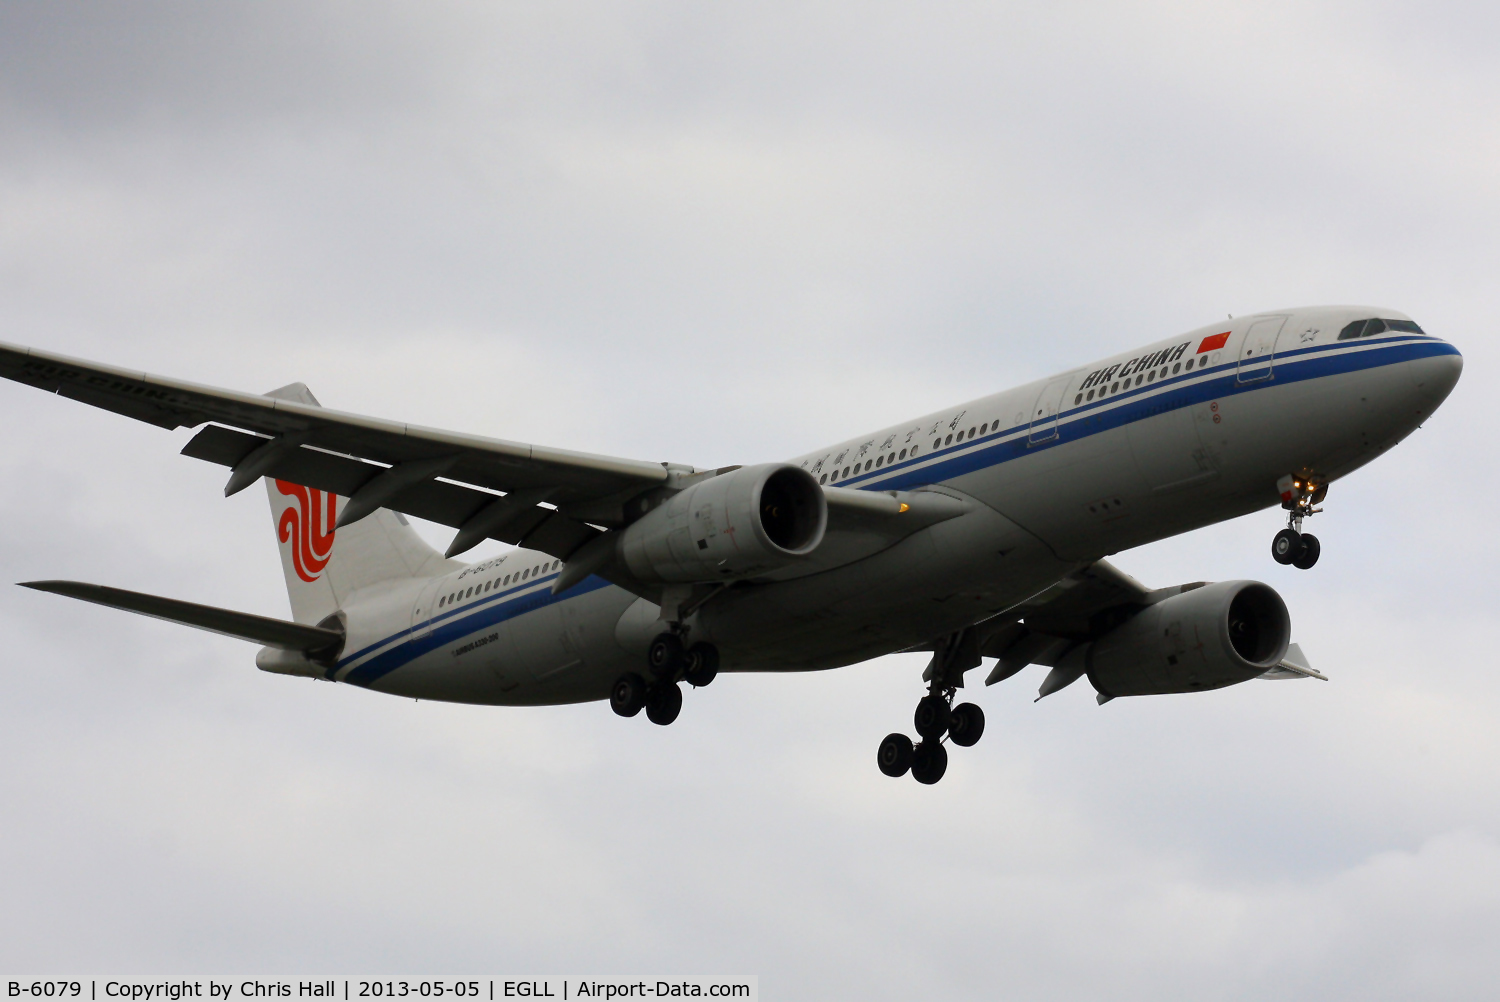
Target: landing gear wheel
663,703
665,657
628,694
932,717
1286,547
967,725
702,665
894,756
1311,549
929,760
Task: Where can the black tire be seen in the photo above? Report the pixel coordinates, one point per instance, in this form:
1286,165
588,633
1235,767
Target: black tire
663,703
1286,546
702,665
967,725
929,760
1311,550
665,657
894,756
628,694
931,718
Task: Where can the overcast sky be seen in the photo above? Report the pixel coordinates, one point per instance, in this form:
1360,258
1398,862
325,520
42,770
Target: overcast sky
716,234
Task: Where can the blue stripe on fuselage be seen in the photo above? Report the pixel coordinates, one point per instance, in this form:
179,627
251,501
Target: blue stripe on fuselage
462,622
1080,422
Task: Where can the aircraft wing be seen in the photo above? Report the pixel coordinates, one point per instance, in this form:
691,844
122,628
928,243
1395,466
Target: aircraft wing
1084,605
289,436
1079,608
545,499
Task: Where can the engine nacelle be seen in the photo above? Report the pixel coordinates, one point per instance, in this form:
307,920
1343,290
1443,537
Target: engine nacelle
1206,638
751,521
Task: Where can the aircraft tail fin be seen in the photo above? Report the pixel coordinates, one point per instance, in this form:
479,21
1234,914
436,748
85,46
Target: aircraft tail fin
323,567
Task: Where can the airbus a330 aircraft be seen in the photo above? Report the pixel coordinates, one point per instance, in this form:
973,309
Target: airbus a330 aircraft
976,532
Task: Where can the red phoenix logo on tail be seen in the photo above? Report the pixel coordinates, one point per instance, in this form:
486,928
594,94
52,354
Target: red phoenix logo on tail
303,527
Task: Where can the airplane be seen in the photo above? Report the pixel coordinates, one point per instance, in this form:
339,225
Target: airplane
977,532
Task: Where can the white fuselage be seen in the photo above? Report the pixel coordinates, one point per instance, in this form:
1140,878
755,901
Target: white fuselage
1059,473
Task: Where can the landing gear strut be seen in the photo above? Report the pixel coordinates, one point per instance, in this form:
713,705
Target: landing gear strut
1291,545
668,661
936,716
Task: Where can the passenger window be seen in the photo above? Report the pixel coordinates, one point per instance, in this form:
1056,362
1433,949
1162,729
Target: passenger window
915,449
903,454
1091,395
1151,376
1115,388
846,472
971,432
880,462
868,464
982,428
823,479
949,441
442,602
507,579
1202,361
937,443
1177,368
1138,380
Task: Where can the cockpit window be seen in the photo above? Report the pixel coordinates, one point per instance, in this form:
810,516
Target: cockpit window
1373,326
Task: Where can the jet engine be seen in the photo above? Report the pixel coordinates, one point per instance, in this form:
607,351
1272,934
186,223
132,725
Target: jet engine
750,521
1207,638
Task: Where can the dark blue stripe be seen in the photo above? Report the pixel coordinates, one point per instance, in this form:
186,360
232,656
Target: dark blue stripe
461,624
1128,407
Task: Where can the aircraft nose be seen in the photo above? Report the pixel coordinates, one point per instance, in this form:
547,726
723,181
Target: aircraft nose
1436,375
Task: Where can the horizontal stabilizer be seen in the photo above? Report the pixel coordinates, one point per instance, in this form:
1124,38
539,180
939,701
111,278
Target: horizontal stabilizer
279,633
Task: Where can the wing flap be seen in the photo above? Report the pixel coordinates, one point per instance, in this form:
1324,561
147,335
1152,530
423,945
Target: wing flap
439,501
312,640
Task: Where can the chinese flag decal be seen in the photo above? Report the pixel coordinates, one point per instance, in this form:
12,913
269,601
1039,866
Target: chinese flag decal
1212,342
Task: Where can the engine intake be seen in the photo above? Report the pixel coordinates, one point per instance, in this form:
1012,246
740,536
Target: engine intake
1207,638
750,521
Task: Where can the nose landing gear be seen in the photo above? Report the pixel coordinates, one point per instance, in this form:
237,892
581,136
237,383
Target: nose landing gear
1291,545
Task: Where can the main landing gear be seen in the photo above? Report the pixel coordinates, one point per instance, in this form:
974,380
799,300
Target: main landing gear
667,661
928,759
936,716
1291,545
